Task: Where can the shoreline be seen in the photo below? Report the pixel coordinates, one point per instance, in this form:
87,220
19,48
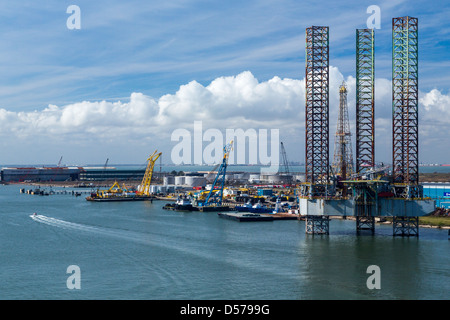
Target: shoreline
387,222
107,184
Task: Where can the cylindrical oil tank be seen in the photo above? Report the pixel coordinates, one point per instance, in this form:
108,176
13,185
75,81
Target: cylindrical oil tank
241,176
169,180
274,178
195,181
161,189
254,177
180,180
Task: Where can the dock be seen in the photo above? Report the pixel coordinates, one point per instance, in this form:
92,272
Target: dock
118,199
254,217
214,208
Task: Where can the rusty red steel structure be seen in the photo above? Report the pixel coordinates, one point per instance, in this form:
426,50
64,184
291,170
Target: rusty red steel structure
317,105
405,106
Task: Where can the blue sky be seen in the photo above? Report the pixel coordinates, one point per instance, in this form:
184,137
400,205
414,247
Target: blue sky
154,48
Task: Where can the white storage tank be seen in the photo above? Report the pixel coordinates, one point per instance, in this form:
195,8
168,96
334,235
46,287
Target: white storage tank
195,181
253,177
180,180
241,176
229,176
170,188
274,178
169,180
161,189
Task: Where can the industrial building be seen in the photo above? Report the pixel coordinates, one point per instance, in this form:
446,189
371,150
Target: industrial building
36,174
109,173
440,192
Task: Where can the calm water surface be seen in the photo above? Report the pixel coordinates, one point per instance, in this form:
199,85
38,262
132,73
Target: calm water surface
139,251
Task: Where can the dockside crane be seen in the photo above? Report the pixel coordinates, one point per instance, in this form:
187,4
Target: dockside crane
215,196
285,162
144,188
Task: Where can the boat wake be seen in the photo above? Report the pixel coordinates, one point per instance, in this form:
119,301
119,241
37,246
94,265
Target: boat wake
154,240
116,233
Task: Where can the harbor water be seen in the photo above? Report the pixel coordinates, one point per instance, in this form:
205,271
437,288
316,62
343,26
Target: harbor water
137,250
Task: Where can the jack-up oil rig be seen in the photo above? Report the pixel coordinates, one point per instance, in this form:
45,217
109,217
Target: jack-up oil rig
368,190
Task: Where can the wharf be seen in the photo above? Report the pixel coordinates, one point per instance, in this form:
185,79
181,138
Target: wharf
215,208
251,217
117,199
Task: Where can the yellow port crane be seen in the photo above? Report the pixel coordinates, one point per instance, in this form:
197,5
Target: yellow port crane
114,190
144,188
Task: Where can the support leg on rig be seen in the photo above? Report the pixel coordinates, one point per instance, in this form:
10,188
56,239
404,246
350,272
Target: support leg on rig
365,223
317,225
405,226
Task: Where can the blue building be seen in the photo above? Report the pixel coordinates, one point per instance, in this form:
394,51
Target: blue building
439,192
265,192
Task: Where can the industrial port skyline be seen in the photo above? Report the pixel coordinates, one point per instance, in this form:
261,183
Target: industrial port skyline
179,120
104,100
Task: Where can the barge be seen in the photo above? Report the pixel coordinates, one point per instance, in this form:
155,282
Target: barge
118,198
245,217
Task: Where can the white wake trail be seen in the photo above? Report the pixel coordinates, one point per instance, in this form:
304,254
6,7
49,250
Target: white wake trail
117,233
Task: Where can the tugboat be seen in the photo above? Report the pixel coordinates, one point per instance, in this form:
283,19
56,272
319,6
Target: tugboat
183,203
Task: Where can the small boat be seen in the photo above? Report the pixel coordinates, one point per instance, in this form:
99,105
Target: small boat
244,208
259,208
183,203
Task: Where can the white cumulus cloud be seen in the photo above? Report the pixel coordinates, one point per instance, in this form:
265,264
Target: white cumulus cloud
233,102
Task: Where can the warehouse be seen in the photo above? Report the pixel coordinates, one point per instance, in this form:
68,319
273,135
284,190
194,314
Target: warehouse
439,192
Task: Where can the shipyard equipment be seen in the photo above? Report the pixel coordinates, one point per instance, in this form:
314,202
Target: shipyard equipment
317,167
117,193
285,163
113,191
215,195
405,105
370,193
365,100
343,154
144,187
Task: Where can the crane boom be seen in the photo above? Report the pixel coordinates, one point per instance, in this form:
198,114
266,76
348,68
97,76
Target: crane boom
144,188
285,163
215,196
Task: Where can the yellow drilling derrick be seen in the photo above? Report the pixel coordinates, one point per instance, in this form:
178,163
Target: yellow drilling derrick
144,187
